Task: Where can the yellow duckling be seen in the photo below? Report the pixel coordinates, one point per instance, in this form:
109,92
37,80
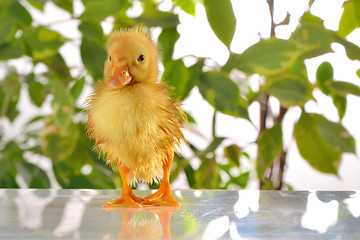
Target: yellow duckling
132,119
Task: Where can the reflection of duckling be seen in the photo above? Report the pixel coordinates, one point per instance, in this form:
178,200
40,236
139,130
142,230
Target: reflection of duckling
145,227
133,120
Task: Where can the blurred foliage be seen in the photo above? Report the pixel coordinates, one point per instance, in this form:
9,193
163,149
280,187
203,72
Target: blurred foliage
60,135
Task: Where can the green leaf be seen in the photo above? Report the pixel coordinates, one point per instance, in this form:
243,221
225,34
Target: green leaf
357,10
190,118
41,42
207,175
352,50
63,106
7,108
350,18
93,31
269,148
358,72
233,153
297,70
67,5
84,153
11,50
10,155
68,172
101,180
335,135
315,37
58,68
194,149
290,91
223,94
221,18
187,6
241,180
267,57
20,14
93,56
37,90
308,18
177,76
194,71
291,87
166,41
190,175
212,147
7,30
39,4
340,104
34,176
286,20
152,17
97,10
8,180
9,95
68,178
77,88
343,88
324,77
35,119
56,145
313,147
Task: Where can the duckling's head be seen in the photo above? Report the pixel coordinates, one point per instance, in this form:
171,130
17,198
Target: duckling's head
132,58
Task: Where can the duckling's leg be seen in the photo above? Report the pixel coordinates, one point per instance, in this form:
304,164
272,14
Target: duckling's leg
163,196
125,230
127,199
164,215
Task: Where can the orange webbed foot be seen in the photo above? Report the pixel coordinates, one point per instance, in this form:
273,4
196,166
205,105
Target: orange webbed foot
162,197
128,199
159,202
125,201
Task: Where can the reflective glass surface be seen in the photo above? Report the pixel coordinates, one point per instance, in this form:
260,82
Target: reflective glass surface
204,214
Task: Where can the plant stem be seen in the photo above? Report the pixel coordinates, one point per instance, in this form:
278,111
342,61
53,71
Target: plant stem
282,159
271,8
263,115
214,125
281,115
281,169
265,98
263,112
278,165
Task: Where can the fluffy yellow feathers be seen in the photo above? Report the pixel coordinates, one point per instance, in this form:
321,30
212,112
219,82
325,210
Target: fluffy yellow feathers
132,119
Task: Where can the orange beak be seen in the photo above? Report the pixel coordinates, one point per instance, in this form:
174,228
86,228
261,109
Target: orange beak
120,77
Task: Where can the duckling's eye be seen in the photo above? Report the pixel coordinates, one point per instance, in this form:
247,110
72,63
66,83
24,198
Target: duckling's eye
141,58
110,58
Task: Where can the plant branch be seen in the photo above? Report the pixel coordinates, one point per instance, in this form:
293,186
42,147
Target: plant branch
264,101
281,169
214,125
282,159
263,112
281,115
271,8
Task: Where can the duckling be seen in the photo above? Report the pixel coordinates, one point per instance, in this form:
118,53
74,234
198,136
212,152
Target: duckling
133,120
